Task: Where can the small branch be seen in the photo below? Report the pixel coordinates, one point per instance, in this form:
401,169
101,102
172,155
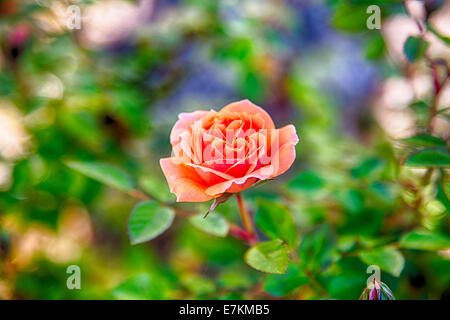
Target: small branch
139,195
437,90
244,214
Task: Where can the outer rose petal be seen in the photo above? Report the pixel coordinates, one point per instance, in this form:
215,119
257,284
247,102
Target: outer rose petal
250,108
185,121
183,181
232,186
286,155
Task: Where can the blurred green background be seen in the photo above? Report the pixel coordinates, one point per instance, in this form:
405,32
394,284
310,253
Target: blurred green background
370,184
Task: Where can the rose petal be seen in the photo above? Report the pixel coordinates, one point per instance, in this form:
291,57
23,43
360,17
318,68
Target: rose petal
231,186
183,181
185,121
286,154
250,108
209,174
281,162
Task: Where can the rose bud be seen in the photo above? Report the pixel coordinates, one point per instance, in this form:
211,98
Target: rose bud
377,290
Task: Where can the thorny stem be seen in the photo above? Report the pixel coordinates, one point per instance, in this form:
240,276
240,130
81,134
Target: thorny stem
240,233
246,220
437,90
244,214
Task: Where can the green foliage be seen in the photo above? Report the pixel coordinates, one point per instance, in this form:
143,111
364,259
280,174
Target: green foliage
375,48
280,285
276,222
415,48
316,248
148,220
153,186
104,173
366,168
141,287
350,17
425,240
198,285
307,181
424,140
388,259
270,256
213,224
429,158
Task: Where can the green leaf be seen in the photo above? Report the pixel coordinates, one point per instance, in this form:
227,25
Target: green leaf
104,173
270,256
307,181
414,48
345,286
425,140
316,248
375,48
213,224
148,220
234,279
368,222
429,158
442,194
276,222
280,285
198,284
421,110
366,168
253,86
82,127
352,200
157,187
141,287
388,259
349,17
425,240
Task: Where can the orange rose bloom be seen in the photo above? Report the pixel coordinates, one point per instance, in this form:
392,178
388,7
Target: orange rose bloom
226,152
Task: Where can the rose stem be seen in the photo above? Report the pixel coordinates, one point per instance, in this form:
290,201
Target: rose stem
246,220
239,233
